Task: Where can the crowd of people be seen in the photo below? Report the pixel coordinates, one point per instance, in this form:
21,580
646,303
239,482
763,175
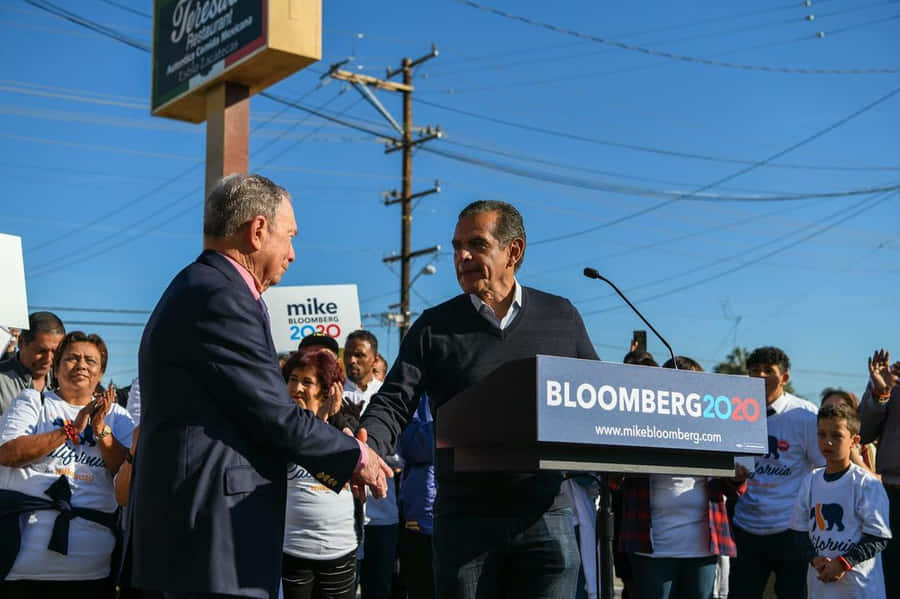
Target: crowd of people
314,474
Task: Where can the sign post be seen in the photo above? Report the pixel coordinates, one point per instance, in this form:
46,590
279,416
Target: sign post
210,56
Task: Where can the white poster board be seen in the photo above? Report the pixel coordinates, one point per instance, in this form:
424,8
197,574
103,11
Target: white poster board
298,311
13,301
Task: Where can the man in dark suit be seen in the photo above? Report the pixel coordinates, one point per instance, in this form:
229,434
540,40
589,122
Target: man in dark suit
218,428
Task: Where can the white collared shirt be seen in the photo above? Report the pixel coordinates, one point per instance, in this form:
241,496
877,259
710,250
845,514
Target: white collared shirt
358,397
488,313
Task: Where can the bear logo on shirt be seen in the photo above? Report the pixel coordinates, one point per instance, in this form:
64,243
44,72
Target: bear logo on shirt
827,516
776,446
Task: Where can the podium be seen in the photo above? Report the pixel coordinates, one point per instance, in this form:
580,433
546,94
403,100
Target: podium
553,413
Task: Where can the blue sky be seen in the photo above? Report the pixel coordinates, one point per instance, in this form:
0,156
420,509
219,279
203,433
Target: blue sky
576,132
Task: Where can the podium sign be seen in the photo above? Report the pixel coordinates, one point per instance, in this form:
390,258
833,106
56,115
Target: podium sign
569,414
602,403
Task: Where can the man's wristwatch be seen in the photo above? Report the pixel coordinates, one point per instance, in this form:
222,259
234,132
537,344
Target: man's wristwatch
104,433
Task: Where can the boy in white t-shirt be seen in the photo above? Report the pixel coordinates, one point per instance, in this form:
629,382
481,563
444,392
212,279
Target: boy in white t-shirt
762,515
841,515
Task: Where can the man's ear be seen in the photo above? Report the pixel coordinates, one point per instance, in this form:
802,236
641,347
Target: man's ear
785,378
254,232
516,251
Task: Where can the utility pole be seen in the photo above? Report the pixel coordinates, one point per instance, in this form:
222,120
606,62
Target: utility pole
406,143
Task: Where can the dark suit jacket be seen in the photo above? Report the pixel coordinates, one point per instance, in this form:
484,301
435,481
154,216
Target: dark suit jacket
217,430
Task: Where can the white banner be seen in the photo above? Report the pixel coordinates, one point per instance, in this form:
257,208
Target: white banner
299,311
13,301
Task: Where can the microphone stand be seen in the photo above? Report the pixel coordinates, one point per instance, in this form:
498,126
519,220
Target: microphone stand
605,516
592,273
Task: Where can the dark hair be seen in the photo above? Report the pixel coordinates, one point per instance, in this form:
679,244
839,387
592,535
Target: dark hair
509,224
769,355
41,322
640,358
363,335
81,337
237,199
847,396
328,371
840,411
316,340
683,363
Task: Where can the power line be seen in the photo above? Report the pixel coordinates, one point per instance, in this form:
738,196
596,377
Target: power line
322,115
93,25
545,47
641,148
100,310
678,57
128,9
753,260
748,251
53,266
47,267
734,175
632,190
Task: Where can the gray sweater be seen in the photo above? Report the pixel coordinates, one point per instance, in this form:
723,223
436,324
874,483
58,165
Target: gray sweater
451,348
881,420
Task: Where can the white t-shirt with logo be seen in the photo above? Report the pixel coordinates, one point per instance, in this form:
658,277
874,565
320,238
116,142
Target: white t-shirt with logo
318,521
836,514
793,452
679,517
90,544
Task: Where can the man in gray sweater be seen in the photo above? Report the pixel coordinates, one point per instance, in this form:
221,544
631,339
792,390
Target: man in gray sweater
879,411
499,534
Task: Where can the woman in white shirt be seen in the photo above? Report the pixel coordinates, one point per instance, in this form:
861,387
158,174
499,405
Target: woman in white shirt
59,451
319,538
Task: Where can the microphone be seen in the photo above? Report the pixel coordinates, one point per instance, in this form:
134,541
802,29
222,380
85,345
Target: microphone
592,273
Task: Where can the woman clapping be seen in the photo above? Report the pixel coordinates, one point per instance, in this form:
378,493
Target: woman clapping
59,451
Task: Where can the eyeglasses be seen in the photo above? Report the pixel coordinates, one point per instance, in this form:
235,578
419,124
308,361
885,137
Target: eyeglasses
72,360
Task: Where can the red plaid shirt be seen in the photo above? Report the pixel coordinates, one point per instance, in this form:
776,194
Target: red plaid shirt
634,535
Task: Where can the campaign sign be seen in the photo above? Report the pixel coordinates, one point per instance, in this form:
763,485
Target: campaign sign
13,301
195,41
601,403
298,311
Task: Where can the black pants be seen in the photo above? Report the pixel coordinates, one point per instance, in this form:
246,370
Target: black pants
319,579
51,589
760,555
415,564
377,570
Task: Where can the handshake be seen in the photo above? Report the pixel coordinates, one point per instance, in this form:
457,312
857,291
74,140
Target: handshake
372,473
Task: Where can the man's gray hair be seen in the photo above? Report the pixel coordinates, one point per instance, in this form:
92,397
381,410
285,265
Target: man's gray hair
237,199
509,222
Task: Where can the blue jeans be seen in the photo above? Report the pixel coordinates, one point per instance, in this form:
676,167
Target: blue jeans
674,577
493,557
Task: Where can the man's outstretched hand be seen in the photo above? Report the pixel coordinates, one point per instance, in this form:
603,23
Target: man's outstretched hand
374,475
